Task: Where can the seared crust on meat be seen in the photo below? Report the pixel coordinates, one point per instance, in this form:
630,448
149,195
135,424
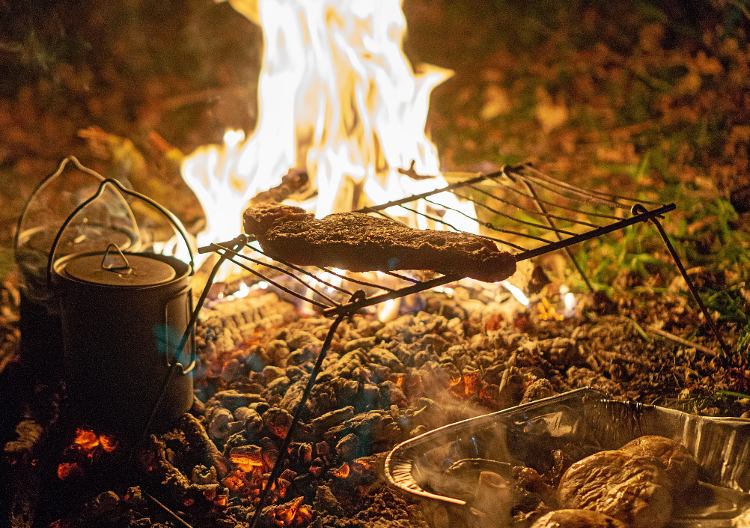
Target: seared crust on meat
360,242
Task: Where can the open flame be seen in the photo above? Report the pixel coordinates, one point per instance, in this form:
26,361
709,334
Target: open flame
338,98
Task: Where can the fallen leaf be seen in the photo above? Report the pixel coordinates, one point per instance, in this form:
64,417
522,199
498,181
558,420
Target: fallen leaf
496,103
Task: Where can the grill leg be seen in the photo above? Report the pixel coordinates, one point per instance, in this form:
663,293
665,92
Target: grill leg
276,471
725,352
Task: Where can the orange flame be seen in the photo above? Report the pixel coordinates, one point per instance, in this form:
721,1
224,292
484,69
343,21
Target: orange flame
337,97
86,438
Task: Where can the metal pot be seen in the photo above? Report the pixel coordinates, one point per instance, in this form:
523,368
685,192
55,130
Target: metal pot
126,324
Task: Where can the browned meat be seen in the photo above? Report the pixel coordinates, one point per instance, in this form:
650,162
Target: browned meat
360,242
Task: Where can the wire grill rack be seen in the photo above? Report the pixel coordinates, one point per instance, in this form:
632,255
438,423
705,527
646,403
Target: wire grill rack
519,207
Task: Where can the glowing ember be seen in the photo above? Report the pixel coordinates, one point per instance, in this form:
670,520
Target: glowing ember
247,458
66,470
86,449
342,472
292,513
108,443
86,438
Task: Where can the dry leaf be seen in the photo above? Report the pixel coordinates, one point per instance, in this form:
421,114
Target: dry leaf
550,114
496,102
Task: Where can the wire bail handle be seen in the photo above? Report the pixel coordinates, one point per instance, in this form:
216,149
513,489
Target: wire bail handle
119,187
124,264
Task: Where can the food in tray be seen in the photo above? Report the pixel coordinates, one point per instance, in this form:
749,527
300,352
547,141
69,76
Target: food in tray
633,489
361,242
679,464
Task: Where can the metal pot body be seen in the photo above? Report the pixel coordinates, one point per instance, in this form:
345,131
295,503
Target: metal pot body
41,338
119,342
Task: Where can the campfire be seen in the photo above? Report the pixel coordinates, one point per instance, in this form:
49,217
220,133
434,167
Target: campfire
352,333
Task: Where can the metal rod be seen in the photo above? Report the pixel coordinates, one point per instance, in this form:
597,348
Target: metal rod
433,218
281,286
516,219
169,511
521,193
566,192
691,287
413,197
358,304
236,254
355,280
278,465
550,179
500,213
594,233
568,252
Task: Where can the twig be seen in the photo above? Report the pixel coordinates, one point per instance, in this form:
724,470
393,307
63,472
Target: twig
639,329
682,341
182,522
733,394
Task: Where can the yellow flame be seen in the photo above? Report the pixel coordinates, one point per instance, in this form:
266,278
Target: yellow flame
336,96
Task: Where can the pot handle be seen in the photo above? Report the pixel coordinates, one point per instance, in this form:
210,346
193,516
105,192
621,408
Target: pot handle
59,170
186,338
122,189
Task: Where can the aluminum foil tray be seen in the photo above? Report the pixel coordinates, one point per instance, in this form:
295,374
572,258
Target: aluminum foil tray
581,421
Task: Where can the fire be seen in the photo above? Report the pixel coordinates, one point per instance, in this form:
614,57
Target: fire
292,513
338,98
66,470
342,472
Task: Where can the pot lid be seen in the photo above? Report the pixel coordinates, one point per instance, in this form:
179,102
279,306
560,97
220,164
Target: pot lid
119,269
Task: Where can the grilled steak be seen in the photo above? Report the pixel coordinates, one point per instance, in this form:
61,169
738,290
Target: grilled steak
360,242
